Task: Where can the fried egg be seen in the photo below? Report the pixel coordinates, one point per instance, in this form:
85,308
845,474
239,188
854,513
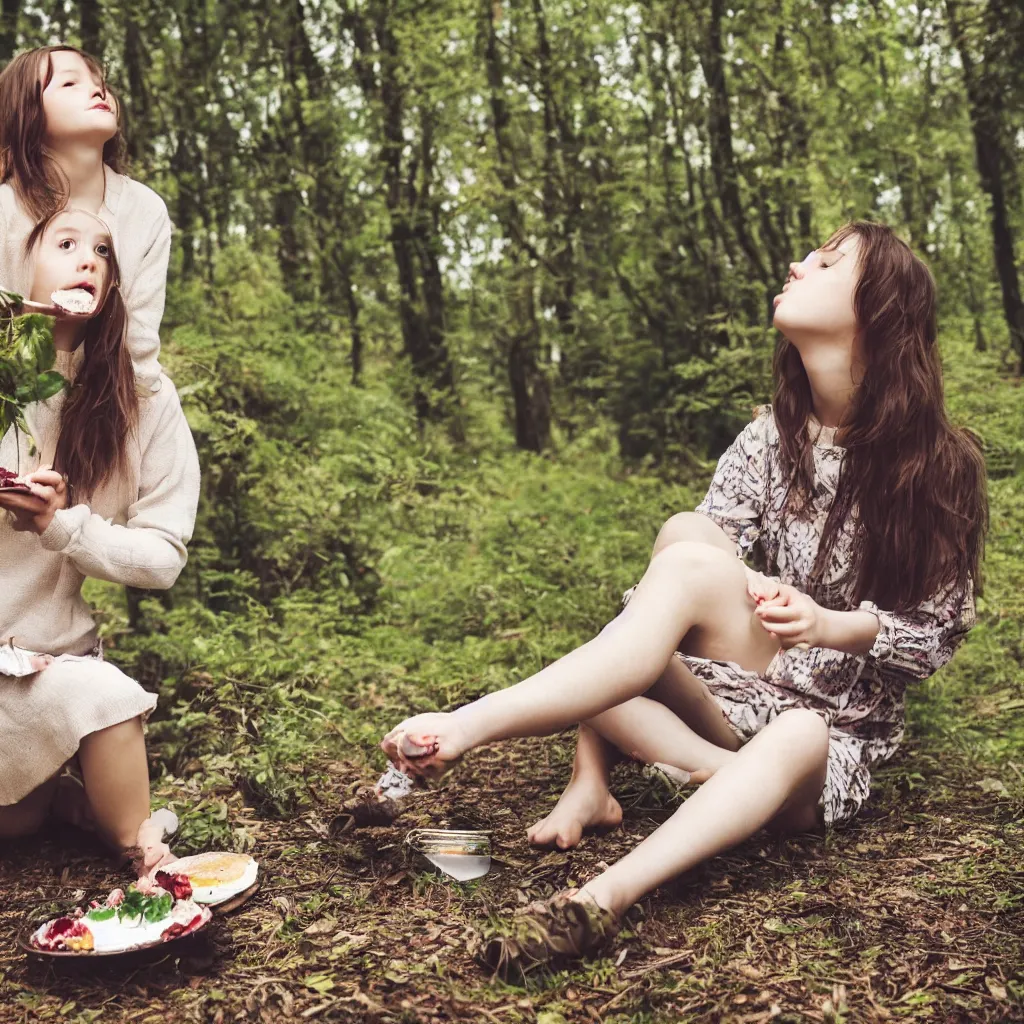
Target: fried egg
216,877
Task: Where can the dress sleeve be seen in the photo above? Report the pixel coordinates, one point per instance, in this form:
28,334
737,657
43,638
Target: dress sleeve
738,493
919,643
144,301
149,551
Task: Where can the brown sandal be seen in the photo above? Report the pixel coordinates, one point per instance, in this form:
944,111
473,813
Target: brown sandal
556,929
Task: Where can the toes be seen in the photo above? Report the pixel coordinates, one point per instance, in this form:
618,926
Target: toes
570,835
541,833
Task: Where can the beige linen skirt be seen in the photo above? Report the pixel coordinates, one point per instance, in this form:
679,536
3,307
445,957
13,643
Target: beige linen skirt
43,717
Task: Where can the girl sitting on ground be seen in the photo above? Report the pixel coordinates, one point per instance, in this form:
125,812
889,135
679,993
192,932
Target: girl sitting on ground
782,693
114,481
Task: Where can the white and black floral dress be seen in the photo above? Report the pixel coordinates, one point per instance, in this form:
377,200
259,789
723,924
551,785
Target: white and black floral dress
861,697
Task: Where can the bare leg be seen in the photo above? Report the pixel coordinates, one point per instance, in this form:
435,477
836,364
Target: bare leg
587,802
690,590
645,730
640,730
26,817
116,777
780,772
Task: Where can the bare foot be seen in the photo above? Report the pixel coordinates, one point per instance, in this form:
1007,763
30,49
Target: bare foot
583,805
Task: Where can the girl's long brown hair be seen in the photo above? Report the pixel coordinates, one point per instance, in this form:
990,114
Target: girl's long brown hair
41,187
101,412
915,483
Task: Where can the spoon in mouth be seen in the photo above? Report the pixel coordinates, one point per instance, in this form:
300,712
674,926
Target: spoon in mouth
16,305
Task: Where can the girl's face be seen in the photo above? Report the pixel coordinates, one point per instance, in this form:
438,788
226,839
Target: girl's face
77,106
74,252
817,299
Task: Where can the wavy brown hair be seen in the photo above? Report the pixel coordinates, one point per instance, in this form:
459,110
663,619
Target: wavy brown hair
101,412
40,185
915,482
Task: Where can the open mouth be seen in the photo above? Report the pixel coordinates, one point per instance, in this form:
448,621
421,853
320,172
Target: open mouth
84,286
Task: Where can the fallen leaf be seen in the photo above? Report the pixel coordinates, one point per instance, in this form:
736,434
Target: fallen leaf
993,786
996,990
321,927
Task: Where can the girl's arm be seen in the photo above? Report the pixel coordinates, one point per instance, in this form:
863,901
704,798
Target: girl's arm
916,644
144,302
739,489
148,552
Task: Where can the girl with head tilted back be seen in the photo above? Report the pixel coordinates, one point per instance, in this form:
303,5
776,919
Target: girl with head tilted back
779,693
61,146
114,482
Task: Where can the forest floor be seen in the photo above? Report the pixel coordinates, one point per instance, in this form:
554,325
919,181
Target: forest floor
269,718
914,912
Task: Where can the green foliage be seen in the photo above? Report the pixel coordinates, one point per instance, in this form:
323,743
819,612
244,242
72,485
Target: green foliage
26,362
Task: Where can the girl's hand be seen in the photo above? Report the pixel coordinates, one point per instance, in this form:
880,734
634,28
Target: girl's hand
759,586
151,853
425,745
34,512
793,618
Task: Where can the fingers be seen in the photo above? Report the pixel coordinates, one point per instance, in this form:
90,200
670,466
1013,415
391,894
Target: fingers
792,644
790,629
16,502
47,477
778,613
44,493
415,746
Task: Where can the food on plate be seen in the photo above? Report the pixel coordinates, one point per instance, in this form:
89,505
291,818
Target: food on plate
215,877
125,921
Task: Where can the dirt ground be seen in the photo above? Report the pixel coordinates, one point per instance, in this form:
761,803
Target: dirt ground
914,912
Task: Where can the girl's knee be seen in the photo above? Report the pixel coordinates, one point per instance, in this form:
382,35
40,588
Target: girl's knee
23,819
806,729
681,526
692,527
690,556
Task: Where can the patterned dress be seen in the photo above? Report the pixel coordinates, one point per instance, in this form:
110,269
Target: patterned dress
860,697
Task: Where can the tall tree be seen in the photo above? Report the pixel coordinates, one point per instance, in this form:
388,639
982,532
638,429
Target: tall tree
519,332
9,11
993,169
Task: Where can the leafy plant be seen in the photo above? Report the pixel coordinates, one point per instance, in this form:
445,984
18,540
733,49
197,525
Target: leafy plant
27,356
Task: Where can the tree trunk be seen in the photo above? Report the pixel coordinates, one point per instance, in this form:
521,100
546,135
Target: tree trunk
136,103
530,391
89,14
991,159
421,308
723,163
9,11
